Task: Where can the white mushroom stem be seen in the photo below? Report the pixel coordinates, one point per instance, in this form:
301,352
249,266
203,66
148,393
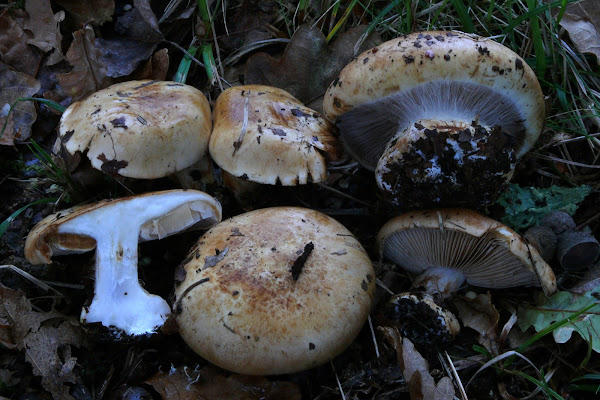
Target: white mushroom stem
440,282
119,300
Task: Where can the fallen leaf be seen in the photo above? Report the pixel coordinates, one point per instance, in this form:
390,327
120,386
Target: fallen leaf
415,369
479,313
46,339
250,24
95,12
156,68
89,72
13,44
307,66
45,29
14,85
210,384
582,21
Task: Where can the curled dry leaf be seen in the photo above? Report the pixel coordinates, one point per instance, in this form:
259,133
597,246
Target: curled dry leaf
13,86
14,49
307,66
479,313
44,27
46,339
95,12
582,21
89,71
155,68
416,370
210,384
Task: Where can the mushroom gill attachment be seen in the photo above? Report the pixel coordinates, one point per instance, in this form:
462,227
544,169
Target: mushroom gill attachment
274,291
445,111
138,129
447,247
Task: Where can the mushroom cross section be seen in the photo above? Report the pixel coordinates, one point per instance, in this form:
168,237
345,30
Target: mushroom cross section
114,228
445,248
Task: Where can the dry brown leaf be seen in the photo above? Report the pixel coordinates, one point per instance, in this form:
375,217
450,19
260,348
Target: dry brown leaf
416,370
13,44
210,384
307,66
156,68
46,339
582,21
89,72
14,85
45,30
82,11
479,313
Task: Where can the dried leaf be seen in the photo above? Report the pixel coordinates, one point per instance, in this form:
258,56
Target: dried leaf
156,68
82,11
308,66
479,313
89,72
210,384
14,85
46,339
582,21
44,27
13,45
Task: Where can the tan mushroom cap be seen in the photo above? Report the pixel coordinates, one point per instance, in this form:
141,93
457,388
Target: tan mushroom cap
265,135
410,61
139,129
491,254
240,307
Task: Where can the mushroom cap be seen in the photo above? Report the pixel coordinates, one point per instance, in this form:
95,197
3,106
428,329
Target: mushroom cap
487,252
46,239
265,135
139,129
240,307
434,75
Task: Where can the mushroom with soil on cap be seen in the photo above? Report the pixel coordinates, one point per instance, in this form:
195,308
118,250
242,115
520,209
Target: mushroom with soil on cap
138,129
438,112
274,291
113,228
263,134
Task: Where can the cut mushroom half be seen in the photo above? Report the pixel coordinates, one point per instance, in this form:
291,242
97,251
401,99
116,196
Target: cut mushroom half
274,291
138,129
448,247
265,135
438,112
114,228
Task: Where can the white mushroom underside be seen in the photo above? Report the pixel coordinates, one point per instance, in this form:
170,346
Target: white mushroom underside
367,129
485,261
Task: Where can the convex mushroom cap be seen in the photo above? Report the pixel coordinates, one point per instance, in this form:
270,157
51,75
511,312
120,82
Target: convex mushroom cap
139,129
114,227
442,112
265,135
274,291
445,248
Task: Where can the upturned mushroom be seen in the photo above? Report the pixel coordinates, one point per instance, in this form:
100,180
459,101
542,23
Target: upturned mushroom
138,129
446,248
265,135
274,291
113,228
441,117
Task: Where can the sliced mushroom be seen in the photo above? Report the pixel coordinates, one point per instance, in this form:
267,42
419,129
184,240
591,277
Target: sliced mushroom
448,247
114,227
265,135
438,112
274,291
139,129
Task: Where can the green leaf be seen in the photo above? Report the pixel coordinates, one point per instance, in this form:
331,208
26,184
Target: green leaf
561,306
526,206
6,223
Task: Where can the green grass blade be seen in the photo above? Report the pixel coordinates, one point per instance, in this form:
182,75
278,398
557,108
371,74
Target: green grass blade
538,44
184,66
536,11
204,14
6,223
463,14
209,61
339,24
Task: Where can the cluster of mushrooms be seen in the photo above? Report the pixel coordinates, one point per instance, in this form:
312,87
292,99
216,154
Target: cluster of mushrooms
440,117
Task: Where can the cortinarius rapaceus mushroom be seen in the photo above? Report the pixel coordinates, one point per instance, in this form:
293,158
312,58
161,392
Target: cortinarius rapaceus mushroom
138,129
274,291
265,135
447,247
114,227
441,117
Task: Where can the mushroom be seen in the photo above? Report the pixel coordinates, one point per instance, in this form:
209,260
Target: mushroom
265,135
138,129
114,227
447,247
438,112
274,291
